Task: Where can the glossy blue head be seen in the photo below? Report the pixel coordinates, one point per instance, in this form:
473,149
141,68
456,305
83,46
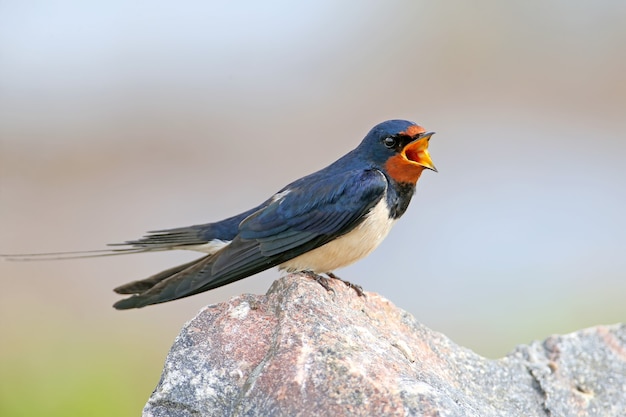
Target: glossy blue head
398,147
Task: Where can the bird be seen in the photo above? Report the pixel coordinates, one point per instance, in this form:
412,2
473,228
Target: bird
317,224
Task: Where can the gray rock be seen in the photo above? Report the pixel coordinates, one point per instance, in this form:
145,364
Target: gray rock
303,351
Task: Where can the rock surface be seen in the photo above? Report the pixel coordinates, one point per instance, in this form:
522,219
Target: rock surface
303,351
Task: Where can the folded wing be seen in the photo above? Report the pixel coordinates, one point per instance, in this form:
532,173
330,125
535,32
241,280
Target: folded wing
302,217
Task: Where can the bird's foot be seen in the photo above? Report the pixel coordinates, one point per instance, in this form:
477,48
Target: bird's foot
357,288
323,281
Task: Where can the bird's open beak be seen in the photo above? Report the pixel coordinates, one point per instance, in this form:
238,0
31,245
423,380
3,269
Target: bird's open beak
417,151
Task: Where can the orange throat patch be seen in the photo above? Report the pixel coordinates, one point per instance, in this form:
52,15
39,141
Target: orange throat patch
403,170
407,166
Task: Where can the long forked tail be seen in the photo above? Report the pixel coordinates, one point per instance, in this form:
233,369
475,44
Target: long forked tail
143,285
153,241
178,282
238,260
59,256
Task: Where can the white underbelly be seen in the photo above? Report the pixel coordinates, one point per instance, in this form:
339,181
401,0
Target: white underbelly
349,248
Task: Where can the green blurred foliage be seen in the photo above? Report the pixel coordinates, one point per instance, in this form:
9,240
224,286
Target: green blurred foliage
90,375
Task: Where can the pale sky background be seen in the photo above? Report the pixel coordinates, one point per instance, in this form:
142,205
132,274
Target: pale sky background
116,119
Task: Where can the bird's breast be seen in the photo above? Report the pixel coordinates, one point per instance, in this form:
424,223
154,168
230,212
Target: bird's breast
349,248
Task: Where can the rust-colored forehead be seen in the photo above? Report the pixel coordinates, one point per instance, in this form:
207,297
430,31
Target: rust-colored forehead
413,130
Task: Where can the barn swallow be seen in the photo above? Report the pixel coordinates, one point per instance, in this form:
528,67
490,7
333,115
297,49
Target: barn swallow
316,224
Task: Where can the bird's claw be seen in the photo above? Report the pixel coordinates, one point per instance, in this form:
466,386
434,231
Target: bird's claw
357,288
323,281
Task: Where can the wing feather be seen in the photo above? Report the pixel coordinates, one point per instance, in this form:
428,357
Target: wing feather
304,216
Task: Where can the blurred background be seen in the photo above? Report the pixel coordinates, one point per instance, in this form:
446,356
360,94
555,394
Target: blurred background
118,118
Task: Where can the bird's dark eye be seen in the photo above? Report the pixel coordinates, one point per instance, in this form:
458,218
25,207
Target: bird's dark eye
390,142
